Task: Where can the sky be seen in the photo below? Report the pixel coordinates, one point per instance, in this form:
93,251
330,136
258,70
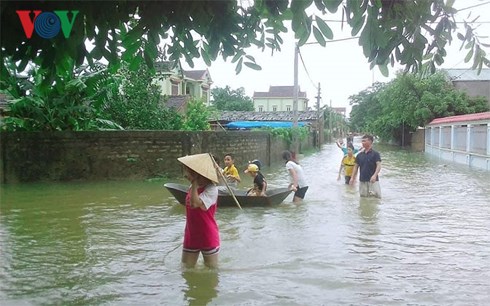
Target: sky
340,67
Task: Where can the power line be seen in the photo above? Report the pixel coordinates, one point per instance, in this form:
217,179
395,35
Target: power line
333,40
306,70
473,6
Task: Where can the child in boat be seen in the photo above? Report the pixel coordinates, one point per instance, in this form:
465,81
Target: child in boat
230,171
201,230
256,162
260,185
347,164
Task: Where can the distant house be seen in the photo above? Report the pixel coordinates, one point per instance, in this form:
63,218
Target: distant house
179,85
472,83
279,99
340,110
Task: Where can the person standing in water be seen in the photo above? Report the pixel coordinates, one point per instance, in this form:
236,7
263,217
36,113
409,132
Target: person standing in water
368,163
296,177
201,233
347,164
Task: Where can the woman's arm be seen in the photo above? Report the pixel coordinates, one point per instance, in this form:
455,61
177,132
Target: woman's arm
195,200
293,174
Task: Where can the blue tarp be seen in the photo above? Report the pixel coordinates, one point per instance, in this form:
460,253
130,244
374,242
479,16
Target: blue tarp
259,124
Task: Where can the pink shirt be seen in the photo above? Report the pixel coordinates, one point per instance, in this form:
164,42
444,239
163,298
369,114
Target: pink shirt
201,229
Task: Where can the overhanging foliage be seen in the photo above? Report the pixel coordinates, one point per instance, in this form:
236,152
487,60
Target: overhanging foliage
413,33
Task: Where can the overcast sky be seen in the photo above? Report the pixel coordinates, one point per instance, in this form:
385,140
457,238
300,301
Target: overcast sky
340,67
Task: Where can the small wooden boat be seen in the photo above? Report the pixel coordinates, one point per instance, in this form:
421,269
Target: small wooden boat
273,196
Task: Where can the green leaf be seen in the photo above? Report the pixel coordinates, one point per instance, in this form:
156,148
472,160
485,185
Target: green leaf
468,56
358,22
318,36
135,63
253,66
238,67
332,5
250,58
323,26
383,68
205,57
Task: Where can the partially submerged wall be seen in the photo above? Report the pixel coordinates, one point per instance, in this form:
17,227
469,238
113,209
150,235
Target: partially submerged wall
114,155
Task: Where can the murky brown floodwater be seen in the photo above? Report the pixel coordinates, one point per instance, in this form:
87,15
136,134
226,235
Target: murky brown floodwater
425,243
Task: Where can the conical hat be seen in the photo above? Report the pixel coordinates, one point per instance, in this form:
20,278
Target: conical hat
202,164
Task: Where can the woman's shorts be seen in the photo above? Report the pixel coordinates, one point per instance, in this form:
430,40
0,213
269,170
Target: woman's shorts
300,192
205,252
368,189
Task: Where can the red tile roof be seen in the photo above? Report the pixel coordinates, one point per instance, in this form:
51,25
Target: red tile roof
461,118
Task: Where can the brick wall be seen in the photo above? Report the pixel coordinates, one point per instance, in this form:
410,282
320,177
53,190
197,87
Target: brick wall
113,155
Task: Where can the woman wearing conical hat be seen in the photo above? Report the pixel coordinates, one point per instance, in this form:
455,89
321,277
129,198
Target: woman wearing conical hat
201,230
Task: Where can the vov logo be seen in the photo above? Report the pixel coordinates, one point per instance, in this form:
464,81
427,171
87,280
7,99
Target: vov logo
47,24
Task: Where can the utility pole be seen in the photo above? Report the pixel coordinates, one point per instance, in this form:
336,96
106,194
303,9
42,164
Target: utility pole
295,101
319,124
330,121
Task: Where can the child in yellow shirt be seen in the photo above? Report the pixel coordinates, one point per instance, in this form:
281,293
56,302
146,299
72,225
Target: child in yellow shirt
347,164
230,172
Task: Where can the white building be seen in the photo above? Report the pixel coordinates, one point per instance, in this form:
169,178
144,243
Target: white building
279,99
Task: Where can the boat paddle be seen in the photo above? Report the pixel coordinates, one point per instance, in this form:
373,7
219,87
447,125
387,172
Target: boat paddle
224,179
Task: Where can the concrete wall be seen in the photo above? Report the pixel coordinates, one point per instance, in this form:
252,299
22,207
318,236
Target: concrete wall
113,155
418,141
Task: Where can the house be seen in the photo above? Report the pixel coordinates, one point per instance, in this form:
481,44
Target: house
179,85
279,99
340,110
471,82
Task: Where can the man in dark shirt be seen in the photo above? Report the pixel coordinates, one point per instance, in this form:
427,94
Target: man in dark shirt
368,163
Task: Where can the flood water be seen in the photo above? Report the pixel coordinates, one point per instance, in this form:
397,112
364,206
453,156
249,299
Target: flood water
426,242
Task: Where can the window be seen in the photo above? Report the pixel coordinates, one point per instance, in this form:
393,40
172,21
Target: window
175,89
288,108
205,95
261,108
274,108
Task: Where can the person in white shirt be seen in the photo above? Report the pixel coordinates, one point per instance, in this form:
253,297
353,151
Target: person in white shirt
296,177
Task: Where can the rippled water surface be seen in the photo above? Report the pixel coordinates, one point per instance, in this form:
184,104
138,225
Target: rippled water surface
426,242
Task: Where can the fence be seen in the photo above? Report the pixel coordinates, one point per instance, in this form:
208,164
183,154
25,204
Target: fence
461,139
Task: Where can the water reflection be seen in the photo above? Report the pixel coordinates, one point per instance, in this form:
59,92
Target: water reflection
201,286
368,209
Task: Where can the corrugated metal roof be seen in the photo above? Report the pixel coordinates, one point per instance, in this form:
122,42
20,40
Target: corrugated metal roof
266,116
261,124
468,74
462,118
